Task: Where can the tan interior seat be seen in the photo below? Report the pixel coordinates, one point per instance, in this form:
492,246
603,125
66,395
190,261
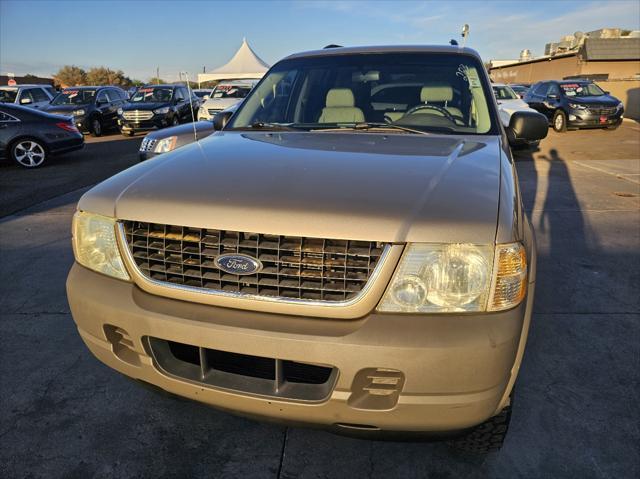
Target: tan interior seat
439,94
340,107
394,115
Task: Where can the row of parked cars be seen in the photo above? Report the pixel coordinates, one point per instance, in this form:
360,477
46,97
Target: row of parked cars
27,113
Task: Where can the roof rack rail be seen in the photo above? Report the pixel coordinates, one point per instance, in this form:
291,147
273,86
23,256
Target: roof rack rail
332,45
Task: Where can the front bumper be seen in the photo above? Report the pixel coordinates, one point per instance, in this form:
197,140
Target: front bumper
582,119
156,123
455,372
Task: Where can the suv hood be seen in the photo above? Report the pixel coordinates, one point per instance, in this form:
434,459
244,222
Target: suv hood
221,103
64,109
594,100
360,186
145,106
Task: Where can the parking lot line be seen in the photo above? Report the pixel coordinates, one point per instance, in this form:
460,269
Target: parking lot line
622,176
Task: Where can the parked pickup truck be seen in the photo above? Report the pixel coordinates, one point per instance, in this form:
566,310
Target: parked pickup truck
324,260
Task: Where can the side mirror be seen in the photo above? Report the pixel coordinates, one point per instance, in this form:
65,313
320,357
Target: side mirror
221,119
607,93
526,126
25,101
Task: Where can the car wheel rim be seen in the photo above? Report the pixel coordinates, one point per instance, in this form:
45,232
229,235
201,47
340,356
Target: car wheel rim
29,153
175,121
559,122
96,126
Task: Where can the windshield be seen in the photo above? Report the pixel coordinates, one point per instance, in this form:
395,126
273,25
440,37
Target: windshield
8,95
152,95
427,92
581,89
504,93
230,91
74,97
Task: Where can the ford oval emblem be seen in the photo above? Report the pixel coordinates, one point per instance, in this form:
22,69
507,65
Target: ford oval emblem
238,264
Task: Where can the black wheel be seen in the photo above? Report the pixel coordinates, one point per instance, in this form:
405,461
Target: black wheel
175,121
96,126
29,153
560,121
486,437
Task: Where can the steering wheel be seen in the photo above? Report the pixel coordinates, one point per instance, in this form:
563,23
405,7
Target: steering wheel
440,109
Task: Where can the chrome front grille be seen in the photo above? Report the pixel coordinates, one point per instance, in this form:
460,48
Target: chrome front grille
299,268
137,115
597,110
148,144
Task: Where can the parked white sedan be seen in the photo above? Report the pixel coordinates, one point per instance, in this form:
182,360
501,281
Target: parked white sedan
225,95
508,102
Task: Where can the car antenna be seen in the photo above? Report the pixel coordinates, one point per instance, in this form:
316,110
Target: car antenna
465,34
193,116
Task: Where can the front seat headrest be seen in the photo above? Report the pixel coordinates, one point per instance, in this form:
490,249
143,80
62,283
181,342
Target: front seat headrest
340,97
436,92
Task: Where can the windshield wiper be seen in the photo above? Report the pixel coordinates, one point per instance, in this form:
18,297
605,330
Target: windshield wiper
368,125
274,126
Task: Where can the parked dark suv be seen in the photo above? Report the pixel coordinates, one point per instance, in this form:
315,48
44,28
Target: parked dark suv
574,104
94,108
156,106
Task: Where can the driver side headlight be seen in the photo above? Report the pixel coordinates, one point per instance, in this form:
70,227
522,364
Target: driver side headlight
95,245
166,144
162,111
454,278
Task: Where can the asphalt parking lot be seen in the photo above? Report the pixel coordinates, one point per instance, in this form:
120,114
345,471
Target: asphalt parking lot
576,411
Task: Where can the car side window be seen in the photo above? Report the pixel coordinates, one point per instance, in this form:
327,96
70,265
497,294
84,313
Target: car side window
102,97
553,90
39,95
540,89
179,94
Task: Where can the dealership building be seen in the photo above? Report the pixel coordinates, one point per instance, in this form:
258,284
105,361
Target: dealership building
611,57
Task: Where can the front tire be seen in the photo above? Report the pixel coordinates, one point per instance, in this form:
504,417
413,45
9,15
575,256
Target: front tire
96,127
29,153
560,121
175,121
486,437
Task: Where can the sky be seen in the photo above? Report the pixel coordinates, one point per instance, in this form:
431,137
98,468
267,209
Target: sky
39,37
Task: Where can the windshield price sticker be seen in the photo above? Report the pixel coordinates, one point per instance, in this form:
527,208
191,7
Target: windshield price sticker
71,93
146,90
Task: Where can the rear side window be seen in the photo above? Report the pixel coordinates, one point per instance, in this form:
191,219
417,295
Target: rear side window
39,95
102,96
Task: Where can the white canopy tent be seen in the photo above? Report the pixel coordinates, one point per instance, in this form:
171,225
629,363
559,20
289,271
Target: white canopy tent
244,64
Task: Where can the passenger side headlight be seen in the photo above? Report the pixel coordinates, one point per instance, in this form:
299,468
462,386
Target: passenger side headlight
454,278
120,110
78,112
162,111
577,106
95,245
166,144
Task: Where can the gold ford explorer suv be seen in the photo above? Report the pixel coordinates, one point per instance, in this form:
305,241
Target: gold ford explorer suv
349,251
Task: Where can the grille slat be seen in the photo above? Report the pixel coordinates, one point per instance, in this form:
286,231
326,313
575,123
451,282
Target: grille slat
602,110
311,269
137,115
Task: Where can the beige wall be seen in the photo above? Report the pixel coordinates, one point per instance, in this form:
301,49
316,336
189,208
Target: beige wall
627,91
558,68
532,72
